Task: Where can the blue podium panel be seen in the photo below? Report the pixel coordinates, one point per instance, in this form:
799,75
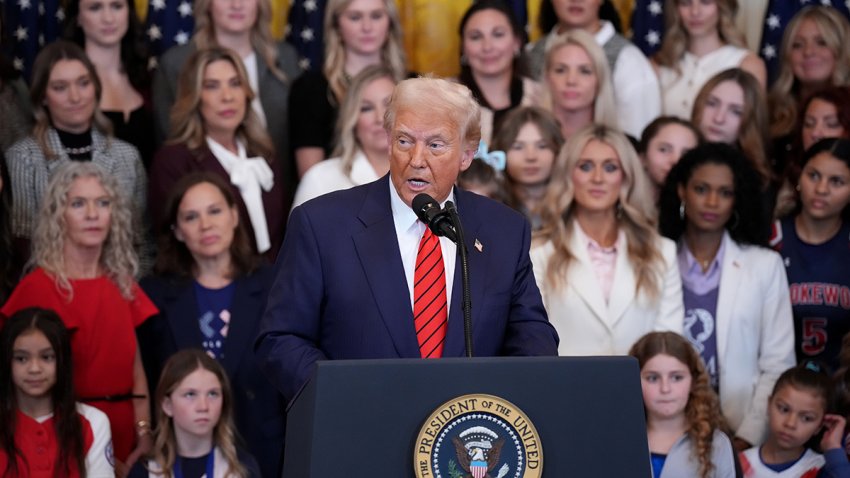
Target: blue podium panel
363,418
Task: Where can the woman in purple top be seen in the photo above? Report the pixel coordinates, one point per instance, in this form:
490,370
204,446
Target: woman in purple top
737,307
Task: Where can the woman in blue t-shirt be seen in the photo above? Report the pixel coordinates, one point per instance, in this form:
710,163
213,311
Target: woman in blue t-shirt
211,290
814,241
737,312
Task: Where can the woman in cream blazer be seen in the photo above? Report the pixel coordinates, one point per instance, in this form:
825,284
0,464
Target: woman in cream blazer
736,298
606,276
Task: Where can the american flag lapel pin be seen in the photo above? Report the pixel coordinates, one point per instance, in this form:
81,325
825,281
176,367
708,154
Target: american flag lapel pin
478,246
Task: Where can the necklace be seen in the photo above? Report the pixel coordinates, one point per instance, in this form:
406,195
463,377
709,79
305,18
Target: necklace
78,151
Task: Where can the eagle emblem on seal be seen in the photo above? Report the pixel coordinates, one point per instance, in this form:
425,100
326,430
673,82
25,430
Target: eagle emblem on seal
478,449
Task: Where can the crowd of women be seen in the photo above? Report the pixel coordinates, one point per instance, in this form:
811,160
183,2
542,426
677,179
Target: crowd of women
684,211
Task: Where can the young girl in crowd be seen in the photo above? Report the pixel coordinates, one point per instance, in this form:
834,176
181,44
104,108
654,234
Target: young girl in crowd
798,411
43,432
813,242
662,143
531,139
195,435
683,419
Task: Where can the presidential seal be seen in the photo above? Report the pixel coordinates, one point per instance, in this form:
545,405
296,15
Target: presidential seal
478,436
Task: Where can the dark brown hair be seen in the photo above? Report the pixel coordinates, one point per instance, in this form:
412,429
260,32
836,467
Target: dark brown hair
174,257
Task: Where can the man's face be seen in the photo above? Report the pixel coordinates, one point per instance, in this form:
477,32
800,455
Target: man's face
426,154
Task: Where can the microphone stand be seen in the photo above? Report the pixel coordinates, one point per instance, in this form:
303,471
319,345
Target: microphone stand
466,303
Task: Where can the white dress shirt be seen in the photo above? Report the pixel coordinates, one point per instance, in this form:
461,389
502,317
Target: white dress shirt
409,230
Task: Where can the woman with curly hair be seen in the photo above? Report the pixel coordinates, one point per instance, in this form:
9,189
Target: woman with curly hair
112,36
813,55
737,305
700,40
684,425
357,34
69,127
84,266
606,276
215,129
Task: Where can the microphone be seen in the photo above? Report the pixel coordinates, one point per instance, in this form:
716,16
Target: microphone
439,221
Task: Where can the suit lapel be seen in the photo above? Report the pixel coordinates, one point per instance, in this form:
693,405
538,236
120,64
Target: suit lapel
582,279
730,282
377,248
455,345
623,288
183,322
246,311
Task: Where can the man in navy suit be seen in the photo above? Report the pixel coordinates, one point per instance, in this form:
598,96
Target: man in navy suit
345,275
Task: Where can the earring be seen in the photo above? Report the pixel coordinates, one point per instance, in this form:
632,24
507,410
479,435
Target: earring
619,210
682,210
798,187
736,219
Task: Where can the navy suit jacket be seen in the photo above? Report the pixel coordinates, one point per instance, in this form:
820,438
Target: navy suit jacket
258,407
340,290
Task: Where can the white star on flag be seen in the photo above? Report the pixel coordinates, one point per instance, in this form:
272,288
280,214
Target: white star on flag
769,52
652,38
181,38
18,64
307,34
826,3
60,14
41,40
773,22
152,63
304,63
154,33
185,9
24,4
288,28
310,5
654,7
41,8
158,4
21,34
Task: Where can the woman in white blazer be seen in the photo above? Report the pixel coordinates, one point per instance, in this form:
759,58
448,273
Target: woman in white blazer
737,304
606,276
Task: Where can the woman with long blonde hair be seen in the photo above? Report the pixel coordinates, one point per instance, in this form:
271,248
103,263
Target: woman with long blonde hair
606,276
271,67
362,152
215,129
83,268
813,55
195,430
577,83
700,40
357,34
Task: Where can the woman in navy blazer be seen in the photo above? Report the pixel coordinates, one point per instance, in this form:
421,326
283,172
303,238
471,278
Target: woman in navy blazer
211,291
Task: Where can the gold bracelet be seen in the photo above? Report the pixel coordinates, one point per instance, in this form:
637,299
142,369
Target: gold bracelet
143,427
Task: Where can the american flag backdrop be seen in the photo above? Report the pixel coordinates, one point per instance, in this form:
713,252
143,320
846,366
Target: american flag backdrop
776,18
304,32
30,24
168,23
648,25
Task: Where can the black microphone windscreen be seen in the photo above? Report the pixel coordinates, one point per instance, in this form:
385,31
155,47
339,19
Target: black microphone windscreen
421,203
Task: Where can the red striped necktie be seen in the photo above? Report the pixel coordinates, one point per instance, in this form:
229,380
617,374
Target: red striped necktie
429,297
